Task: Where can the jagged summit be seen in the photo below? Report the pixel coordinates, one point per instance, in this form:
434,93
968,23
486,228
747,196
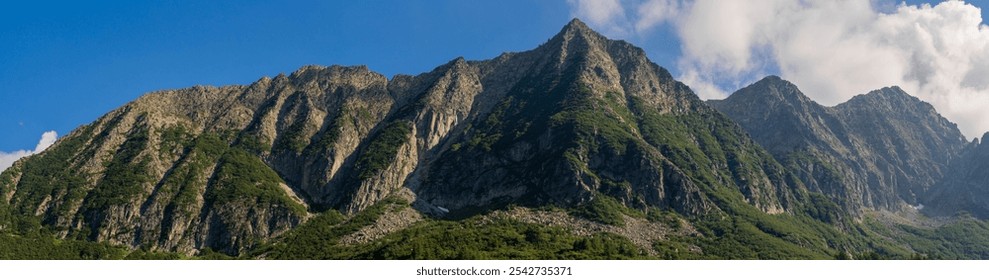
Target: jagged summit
773,81
576,28
889,97
576,24
579,40
576,43
890,92
770,90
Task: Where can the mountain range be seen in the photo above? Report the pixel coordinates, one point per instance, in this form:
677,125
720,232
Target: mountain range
579,148
882,150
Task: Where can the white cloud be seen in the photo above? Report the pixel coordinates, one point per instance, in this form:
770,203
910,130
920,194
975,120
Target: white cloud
610,16
8,159
607,15
655,12
704,88
832,50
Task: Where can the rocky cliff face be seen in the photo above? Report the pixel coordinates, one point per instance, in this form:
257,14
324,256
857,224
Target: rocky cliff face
583,115
882,150
223,168
204,167
965,185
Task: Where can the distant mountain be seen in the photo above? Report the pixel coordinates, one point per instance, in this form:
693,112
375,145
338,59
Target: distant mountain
882,150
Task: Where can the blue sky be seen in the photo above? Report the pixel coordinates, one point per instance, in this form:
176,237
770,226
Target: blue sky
64,64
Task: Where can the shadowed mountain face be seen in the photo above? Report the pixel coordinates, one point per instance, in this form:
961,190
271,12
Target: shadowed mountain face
966,186
882,150
578,118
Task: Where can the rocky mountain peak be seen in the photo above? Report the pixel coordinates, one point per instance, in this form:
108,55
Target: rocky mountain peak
772,89
604,65
458,63
877,150
576,42
773,99
574,29
891,92
890,98
900,109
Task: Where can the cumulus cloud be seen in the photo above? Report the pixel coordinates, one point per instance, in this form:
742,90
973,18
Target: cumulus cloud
832,50
8,159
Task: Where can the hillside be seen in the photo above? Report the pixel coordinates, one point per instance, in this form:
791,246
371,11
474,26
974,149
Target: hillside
580,148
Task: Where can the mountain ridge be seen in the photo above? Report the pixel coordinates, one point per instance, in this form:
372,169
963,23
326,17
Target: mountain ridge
879,150
581,128
346,138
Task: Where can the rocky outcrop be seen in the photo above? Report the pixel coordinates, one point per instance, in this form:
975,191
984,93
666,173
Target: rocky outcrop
882,150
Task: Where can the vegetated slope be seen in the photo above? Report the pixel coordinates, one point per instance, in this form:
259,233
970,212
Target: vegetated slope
340,162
